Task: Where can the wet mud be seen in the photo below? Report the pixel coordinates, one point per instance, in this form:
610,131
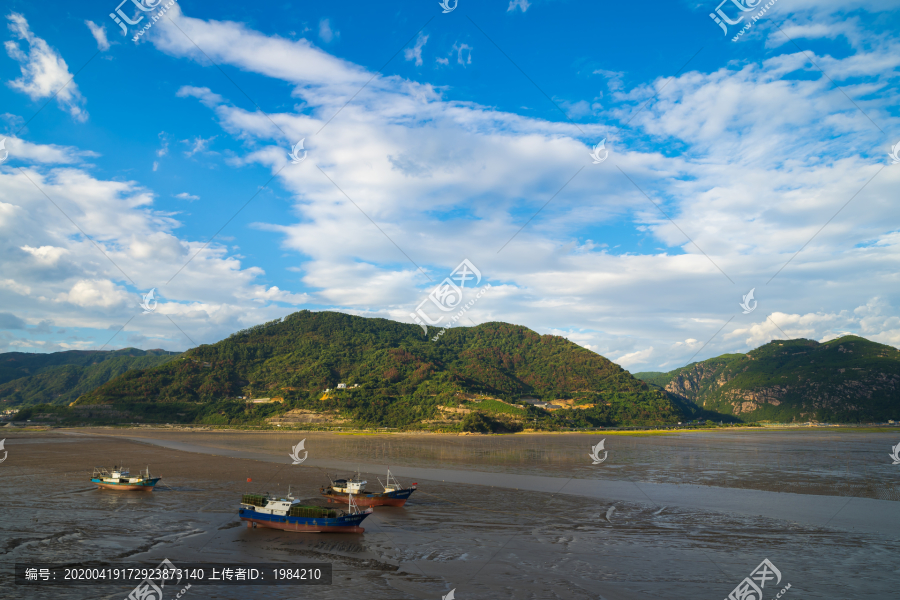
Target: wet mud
482,541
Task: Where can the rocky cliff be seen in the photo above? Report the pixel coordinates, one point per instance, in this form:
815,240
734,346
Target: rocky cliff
849,379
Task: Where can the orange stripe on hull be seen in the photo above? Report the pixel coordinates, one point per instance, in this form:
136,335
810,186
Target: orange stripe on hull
363,501
120,486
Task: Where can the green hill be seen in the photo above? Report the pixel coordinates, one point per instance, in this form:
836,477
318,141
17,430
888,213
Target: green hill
655,378
60,377
403,378
850,379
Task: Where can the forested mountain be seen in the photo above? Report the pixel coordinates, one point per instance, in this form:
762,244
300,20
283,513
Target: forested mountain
849,379
396,376
402,376
60,377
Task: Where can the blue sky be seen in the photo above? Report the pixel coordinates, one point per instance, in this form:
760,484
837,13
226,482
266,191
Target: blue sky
433,138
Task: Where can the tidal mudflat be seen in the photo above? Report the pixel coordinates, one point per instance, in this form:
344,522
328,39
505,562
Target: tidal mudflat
525,516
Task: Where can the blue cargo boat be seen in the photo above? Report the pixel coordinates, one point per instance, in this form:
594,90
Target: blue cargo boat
259,510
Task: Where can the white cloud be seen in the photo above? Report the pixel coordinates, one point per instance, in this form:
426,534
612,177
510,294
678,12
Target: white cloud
578,109
95,293
204,94
634,358
445,180
273,294
44,72
415,53
514,4
613,79
164,141
737,188
326,34
45,153
46,255
99,33
186,196
197,144
461,50
52,273
13,122
16,287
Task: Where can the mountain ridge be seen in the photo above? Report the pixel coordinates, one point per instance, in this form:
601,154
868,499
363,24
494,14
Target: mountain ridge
848,379
402,377
60,377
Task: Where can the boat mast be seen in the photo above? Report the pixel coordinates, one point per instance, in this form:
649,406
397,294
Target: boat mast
352,505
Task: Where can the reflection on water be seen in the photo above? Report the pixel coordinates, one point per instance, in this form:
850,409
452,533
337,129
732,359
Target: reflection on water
808,462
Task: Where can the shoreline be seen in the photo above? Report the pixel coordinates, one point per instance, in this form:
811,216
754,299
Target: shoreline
10,427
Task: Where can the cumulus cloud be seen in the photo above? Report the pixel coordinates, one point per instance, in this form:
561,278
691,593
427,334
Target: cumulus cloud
186,196
51,273
46,255
521,4
44,72
95,293
445,180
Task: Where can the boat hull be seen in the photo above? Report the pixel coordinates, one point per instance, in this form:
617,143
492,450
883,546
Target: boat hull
397,498
146,486
345,524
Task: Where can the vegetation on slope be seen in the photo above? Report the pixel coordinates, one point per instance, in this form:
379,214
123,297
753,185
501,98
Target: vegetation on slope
59,378
402,377
849,379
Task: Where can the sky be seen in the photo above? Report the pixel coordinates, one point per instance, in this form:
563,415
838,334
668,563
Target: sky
622,175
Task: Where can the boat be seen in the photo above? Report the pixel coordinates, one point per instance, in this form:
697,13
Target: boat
118,478
393,494
260,510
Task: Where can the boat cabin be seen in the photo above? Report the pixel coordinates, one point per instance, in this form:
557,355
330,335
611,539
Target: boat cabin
349,486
